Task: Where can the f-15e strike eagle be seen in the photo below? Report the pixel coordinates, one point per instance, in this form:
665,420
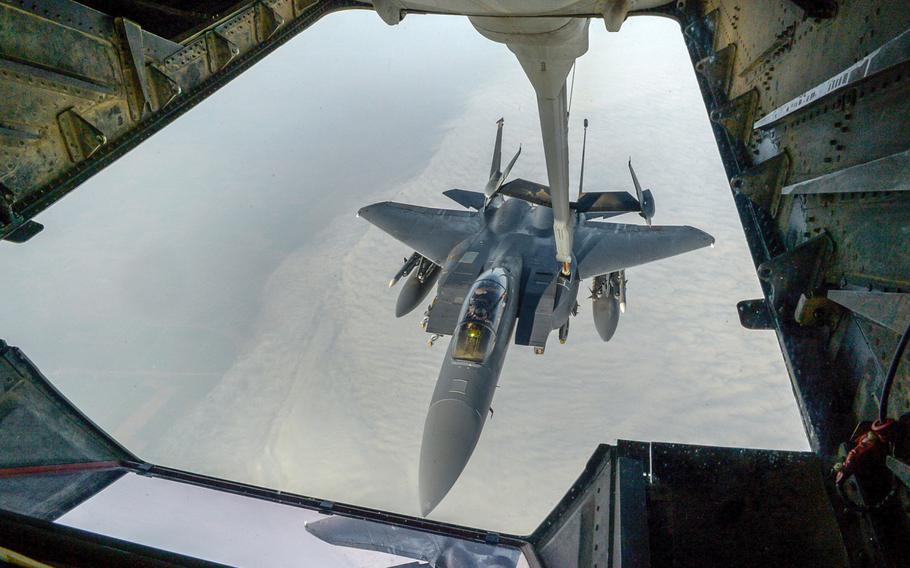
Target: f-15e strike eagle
498,279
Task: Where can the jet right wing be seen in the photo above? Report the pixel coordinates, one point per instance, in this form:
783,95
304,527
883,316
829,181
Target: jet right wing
431,232
601,248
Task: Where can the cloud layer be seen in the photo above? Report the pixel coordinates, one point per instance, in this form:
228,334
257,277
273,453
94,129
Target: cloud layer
228,314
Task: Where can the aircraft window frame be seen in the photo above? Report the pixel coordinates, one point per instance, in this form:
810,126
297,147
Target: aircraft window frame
473,343
480,321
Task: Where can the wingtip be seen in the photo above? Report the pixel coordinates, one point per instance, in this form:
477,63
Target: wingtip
709,238
364,212
367,209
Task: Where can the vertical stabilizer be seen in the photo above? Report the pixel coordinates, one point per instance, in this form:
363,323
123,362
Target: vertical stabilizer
645,198
497,176
497,152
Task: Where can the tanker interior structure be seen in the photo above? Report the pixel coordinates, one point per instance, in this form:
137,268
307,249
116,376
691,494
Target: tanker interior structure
810,105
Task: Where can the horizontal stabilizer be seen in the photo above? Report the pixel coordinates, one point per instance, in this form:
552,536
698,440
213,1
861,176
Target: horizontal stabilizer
527,191
593,215
619,201
465,198
594,202
28,230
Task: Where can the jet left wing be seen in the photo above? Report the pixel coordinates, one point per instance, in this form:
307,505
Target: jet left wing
601,248
431,232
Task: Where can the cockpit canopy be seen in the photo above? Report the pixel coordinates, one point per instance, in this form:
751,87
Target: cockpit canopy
480,319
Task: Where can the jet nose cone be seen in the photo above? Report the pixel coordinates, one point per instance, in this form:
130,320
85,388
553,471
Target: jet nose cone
449,436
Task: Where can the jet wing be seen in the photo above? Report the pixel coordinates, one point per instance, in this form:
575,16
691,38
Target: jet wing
431,232
606,247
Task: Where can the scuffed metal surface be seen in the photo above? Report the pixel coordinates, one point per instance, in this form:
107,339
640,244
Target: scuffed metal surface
79,88
49,451
830,169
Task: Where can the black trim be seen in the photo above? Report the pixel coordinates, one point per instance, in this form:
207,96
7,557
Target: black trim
61,545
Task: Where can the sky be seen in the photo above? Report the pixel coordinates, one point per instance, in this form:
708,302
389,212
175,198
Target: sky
213,303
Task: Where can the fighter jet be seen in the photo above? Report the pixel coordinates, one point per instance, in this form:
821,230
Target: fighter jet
497,279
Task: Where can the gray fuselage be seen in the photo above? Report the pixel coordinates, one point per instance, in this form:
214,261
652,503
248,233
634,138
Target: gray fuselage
517,240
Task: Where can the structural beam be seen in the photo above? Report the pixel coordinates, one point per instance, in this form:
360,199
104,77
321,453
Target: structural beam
885,174
99,85
887,309
895,52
